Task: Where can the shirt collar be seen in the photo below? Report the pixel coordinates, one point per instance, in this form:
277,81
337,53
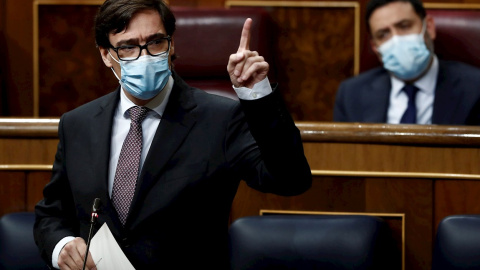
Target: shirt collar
425,84
156,105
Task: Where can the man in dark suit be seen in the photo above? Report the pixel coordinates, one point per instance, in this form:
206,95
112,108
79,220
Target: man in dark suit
413,86
194,150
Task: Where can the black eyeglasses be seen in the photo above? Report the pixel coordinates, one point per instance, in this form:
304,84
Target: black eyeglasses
155,48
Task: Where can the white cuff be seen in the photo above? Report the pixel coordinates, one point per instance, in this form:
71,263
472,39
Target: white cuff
259,90
58,248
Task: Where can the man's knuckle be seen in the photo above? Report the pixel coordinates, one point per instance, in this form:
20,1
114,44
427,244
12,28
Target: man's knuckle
66,248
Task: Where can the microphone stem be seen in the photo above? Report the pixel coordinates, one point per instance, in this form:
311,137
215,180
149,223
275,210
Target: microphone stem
88,244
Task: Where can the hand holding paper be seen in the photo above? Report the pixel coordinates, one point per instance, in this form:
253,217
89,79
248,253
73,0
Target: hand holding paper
106,252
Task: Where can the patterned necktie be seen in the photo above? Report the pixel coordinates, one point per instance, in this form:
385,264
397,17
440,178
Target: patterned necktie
128,164
410,114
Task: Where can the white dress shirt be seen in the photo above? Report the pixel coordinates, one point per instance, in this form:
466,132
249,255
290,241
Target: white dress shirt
424,99
121,126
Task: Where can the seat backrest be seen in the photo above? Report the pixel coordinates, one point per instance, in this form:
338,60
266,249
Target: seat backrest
457,243
17,247
458,36
206,37
309,242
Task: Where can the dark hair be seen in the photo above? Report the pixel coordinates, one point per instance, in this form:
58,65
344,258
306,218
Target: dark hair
114,16
374,4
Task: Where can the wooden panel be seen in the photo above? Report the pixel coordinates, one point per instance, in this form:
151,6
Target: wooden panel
12,192
391,148
326,194
27,151
313,57
3,64
455,197
36,181
392,158
20,190
414,198
28,141
18,60
71,71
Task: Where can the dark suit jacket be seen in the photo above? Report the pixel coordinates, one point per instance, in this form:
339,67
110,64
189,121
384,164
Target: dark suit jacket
365,98
180,212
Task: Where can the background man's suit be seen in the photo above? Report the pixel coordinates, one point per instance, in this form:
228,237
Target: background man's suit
180,212
365,98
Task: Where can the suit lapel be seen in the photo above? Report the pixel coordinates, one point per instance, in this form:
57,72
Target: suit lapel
174,127
101,128
376,99
446,99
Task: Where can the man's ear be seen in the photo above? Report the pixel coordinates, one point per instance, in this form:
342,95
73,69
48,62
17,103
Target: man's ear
374,48
172,47
107,60
171,54
431,27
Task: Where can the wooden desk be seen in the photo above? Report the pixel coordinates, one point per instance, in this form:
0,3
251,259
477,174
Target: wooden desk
411,175
27,147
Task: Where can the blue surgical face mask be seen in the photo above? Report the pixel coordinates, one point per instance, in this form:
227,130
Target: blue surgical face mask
407,57
145,77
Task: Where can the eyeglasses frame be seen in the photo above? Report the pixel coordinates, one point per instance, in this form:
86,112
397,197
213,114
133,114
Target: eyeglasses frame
145,46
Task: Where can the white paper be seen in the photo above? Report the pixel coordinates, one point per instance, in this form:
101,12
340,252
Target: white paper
106,252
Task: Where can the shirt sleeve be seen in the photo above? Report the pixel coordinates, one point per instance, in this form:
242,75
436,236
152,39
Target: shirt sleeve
58,248
259,90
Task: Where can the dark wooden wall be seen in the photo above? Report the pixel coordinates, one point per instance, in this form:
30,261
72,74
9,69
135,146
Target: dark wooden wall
316,51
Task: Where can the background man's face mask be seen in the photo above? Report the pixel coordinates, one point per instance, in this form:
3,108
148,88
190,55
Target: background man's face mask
145,77
407,57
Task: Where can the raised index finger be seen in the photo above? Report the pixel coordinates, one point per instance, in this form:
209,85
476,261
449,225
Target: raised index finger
245,38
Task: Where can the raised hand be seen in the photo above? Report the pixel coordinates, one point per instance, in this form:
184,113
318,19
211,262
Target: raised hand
246,68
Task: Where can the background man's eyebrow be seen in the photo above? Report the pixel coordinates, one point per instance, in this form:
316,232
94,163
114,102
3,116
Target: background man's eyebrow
404,21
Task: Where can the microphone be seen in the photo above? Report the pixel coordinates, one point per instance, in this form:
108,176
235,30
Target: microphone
93,220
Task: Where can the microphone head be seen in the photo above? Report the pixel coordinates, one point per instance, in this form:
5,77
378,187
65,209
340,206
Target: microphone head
96,205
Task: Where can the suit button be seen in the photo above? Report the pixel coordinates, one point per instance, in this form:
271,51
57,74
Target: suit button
125,242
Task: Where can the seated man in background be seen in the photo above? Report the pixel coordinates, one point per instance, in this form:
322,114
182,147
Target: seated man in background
413,86
164,158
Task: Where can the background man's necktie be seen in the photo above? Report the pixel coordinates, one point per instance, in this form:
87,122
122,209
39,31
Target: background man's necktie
128,164
410,115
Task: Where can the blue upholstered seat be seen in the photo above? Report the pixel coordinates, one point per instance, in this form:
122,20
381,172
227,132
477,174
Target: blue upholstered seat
310,242
457,243
17,247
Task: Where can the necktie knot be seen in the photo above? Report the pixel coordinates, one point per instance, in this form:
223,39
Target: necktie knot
411,91
410,114
138,114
